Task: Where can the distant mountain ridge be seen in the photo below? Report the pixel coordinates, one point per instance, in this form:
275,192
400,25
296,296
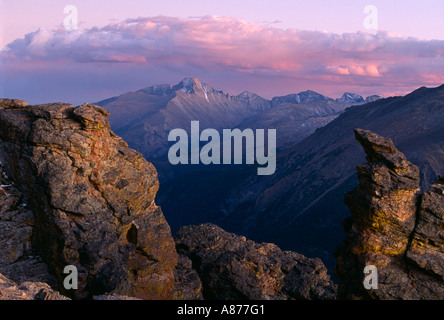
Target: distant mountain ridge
145,117
190,85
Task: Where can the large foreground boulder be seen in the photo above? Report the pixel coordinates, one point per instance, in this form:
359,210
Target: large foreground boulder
92,201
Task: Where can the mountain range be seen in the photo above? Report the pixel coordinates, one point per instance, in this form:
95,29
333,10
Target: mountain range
145,117
301,207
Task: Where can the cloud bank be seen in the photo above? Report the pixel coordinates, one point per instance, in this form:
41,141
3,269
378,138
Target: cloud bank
222,48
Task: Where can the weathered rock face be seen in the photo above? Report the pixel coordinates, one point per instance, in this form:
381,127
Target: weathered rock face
232,267
92,201
187,285
426,249
9,290
23,276
16,223
393,227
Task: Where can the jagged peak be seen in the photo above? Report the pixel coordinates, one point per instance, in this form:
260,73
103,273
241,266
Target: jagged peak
310,92
190,81
351,97
189,85
308,96
186,85
373,98
247,95
251,99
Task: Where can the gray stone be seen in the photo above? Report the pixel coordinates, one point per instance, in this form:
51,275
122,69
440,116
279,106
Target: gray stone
232,267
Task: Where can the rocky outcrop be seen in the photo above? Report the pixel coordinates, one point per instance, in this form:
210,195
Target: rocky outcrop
393,226
232,267
9,290
89,202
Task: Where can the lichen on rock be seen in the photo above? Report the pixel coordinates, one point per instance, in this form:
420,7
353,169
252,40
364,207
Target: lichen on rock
87,189
232,267
393,226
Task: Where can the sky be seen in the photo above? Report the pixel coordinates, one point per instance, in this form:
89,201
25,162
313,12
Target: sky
87,50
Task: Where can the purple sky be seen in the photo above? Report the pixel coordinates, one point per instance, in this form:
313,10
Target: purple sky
268,47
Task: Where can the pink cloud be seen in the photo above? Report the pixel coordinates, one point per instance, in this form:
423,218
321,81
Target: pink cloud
360,70
229,46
